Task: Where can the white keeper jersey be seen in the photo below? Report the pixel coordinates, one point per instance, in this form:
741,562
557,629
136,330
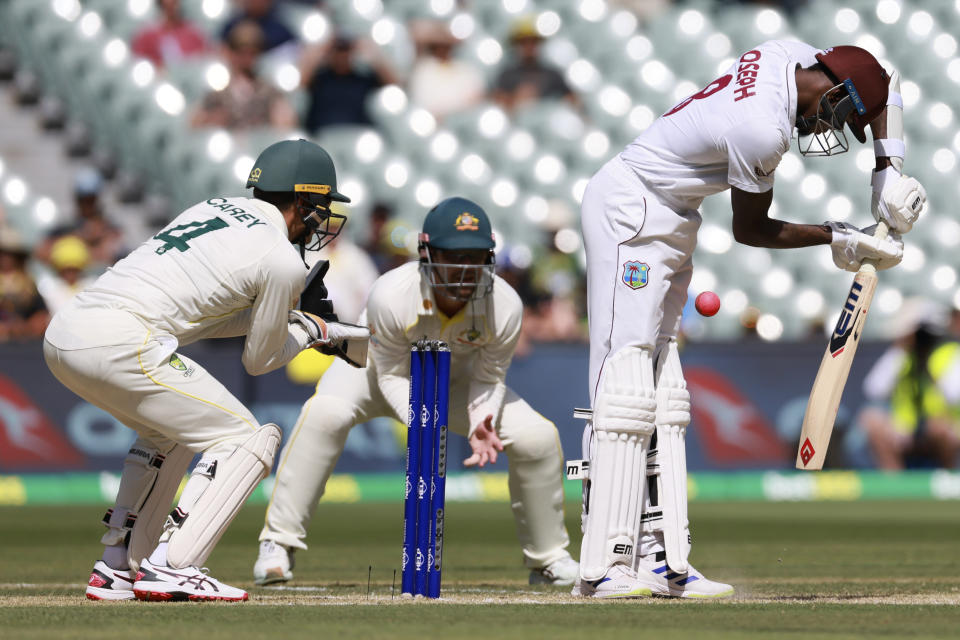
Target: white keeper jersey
733,132
224,267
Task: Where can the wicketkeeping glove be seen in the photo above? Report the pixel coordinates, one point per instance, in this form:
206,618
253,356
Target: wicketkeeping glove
898,200
851,246
327,334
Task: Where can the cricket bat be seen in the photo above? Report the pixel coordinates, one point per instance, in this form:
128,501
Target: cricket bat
824,401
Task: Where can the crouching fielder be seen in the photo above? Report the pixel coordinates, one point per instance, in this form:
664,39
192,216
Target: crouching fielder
640,223
451,295
225,267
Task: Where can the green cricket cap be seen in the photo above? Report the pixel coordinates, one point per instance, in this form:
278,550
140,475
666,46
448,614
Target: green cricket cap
457,223
295,165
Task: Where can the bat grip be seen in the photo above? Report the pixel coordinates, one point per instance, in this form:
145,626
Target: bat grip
870,266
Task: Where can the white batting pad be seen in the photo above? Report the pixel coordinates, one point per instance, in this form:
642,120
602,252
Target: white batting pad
148,483
623,421
673,416
232,481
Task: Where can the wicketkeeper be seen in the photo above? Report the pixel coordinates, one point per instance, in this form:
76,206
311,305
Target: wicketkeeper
225,267
452,295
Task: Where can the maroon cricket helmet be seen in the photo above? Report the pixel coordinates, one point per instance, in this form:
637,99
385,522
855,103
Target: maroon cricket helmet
868,83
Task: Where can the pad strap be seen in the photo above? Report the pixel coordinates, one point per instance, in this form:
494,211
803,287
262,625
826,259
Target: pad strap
894,99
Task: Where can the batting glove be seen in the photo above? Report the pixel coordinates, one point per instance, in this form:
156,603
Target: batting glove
851,246
898,200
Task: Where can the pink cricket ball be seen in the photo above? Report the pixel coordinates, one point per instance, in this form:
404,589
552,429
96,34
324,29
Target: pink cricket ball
708,303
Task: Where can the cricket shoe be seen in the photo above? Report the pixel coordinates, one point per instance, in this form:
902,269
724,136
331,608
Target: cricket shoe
110,584
619,582
663,581
274,564
562,572
160,583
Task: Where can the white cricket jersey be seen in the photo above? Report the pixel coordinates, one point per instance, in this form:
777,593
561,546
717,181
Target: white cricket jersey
224,267
483,336
731,133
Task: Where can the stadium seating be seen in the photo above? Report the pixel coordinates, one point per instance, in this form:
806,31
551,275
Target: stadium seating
625,71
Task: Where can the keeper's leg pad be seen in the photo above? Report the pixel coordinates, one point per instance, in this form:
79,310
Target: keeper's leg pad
148,484
673,416
192,530
623,421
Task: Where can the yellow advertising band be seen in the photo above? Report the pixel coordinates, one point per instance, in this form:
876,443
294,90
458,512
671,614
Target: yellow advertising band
322,189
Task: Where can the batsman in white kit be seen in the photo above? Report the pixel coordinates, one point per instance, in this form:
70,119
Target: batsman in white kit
225,267
640,222
452,295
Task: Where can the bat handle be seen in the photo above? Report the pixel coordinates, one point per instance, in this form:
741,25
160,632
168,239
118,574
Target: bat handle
870,266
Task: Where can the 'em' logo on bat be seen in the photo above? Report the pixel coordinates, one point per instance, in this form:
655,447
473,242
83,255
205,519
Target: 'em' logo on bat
848,318
807,452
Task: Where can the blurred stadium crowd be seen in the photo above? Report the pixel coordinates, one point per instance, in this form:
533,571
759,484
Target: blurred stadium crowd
513,103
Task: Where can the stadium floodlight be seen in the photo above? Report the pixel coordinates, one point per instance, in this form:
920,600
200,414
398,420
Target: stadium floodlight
596,144
514,6
474,168
520,256
368,9
691,22
888,11
871,43
813,186
462,26
889,301
427,192
592,10
383,31
219,145
769,327
615,100
143,73
520,145
69,10
578,188
944,160
115,52
444,146
548,23
287,76
139,8
940,115
920,25
90,24
492,123
791,167
548,169
911,93
442,8
777,282
945,45
15,190
715,239
639,48
396,173
536,209
368,147
354,189
422,122
583,75
809,303
566,240
169,99
839,208
489,51
45,211
846,20
314,27
213,9
641,117
944,277
768,22
623,23
734,301
703,279
717,45
242,167
504,192
656,75
393,99
217,76
913,258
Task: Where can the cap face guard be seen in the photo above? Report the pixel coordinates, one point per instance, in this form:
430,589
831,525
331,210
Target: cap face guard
324,225
460,281
827,137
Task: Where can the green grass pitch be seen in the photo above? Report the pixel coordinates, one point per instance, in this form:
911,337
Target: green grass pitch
803,570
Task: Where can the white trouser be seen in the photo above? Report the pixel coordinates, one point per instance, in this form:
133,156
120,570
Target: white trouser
630,235
167,398
346,396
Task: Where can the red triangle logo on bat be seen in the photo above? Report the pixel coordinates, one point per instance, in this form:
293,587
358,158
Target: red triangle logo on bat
807,452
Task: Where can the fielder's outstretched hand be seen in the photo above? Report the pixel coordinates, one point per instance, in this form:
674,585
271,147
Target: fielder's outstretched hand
485,444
